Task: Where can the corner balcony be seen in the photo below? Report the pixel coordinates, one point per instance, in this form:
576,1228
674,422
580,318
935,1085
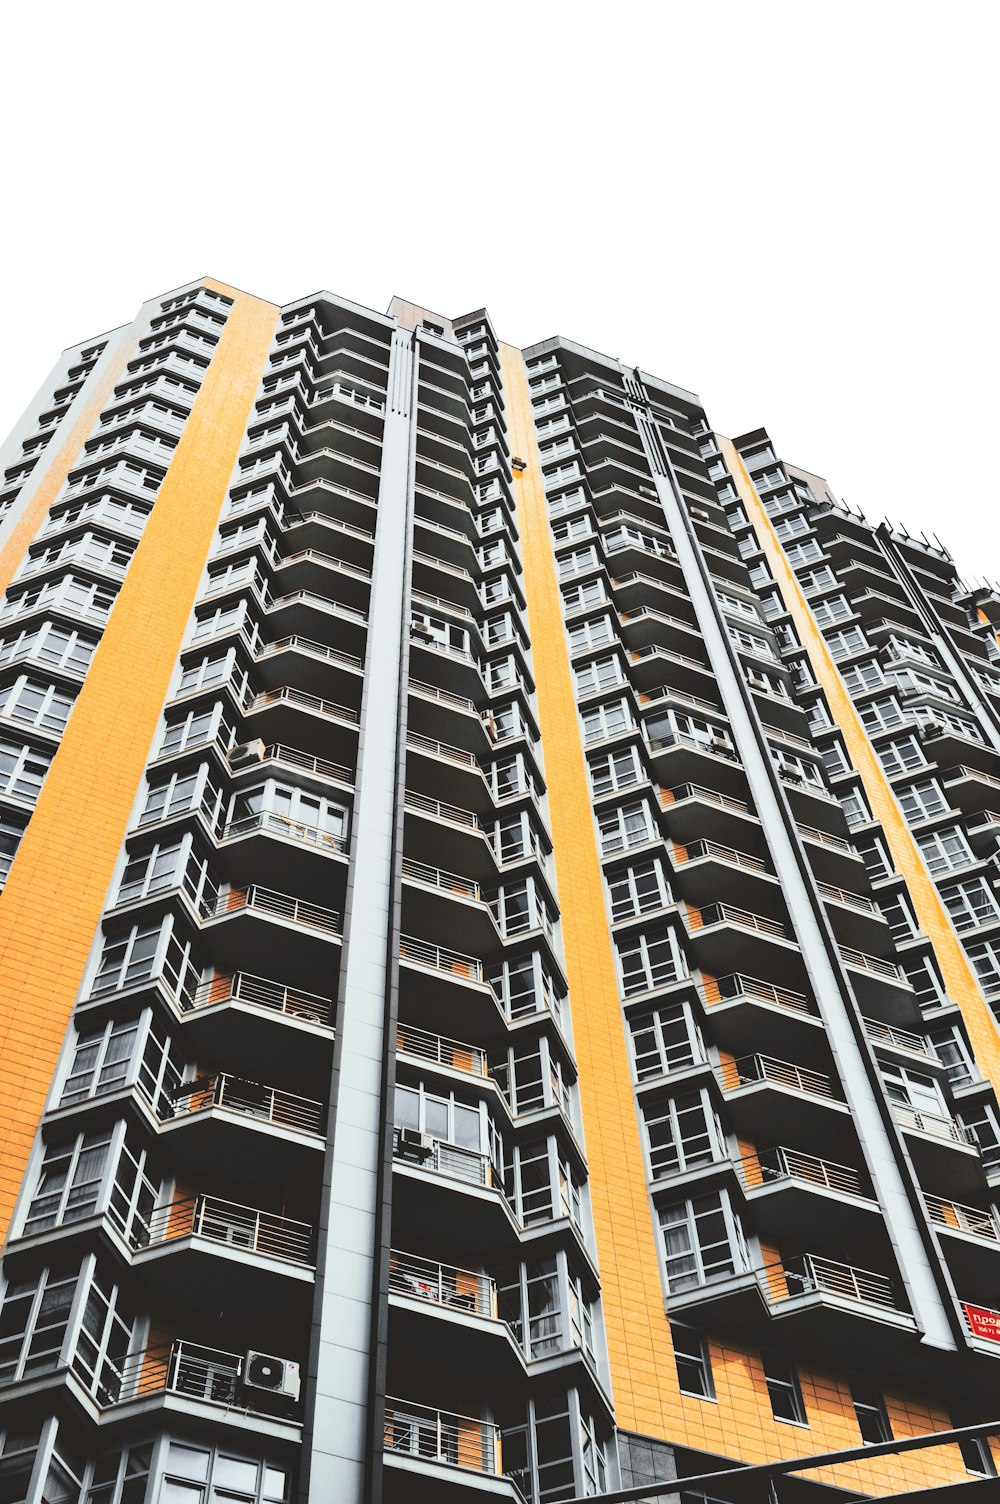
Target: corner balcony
200,1251
446,989
970,1240
246,1019
742,1008
291,852
439,1457
209,1382
767,1098
243,1129
456,1190
452,1311
943,1150
789,1190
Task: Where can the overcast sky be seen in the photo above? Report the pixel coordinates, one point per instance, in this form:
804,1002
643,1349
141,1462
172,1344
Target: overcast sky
790,208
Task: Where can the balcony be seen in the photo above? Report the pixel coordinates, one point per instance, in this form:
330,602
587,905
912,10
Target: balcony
427,1451
264,1009
740,1007
943,1150
891,1037
695,811
446,989
247,923
708,870
789,1190
455,833
305,719
438,1050
854,918
429,1173
293,851
467,1335
768,1098
205,1375
723,934
877,979
213,1113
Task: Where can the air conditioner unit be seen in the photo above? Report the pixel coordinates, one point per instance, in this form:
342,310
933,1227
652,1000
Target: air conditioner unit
931,728
422,630
246,753
279,1375
647,490
791,777
415,1145
517,463
699,512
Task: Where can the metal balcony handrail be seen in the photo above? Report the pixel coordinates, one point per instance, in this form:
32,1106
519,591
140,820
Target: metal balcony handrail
336,772
874,964
903,1039
851,900
725,989
443,811
727,913
750,1069
937,1125
450,1160
442,1284
962,771
269,1104
309,597
455,1054
440,1436
446,696
314,555
442,749
699,791
242,1227
285,694
696,849
971,1219
259,992
823,836
270,901
766,1166
668,692
273,823
808,1273
440,958
426,598
436,877
717,746
295,518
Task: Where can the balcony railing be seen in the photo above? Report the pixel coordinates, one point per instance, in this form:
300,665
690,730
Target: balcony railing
440,958
902,1039
851,900
272,823
197,1372
970,1219
936,1125
242,1227
298,697
440,1436
440,810
276,905
442,1284
767,1166
441,749
294,642
283,1109
824,837
435,877
750,1070
807,1273
695,849
441,1158
699,791
260,992
726,913
874,964
725,989
293,758
439,1050
446,696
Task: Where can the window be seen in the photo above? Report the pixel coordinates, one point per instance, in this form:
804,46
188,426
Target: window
923,976
577,597
783,1389
119,1477
195,1474
606,720
694,1365
33,1324
855,809
923,799
848,641
835,759
875,855
616,770
971,903
22,771
975,1450
37,703
985,958
541,1183
682,1133
948,1044
901,755
638,889
834,608
665,1040
601,673
869,1407
650,961
944,849
624,827
69,1181
702,1241
899,917
862,676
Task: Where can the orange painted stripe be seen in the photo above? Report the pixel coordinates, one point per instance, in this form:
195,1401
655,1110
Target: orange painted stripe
639,1348
52,901
64,458
932,916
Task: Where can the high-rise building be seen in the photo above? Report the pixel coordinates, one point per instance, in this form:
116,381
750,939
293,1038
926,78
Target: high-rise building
499,945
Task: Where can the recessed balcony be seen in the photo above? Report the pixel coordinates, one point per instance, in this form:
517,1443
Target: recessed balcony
789,1190
213,1114
741,1007
767,1098
437,1456
246,1018
201,1375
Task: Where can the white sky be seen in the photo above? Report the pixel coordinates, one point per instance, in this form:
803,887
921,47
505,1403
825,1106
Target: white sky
789,208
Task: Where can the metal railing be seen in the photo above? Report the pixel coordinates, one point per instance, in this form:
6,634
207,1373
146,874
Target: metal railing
696,849
293,642
242,1227
442,1284
902,1039
766,1166
279,905
937,1125
808,1274
751,1069
812,833
284,1109
440,1050
441,749
291,757
716,746
874,964
286,695
446,696
851,900
726,913
441,810
725,989
260,992
699,791
450,1160
441,1436
970,1219
436,877
196,1371
440,958
272,823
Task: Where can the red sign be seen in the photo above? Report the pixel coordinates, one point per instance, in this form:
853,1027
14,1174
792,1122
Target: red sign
983,1322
